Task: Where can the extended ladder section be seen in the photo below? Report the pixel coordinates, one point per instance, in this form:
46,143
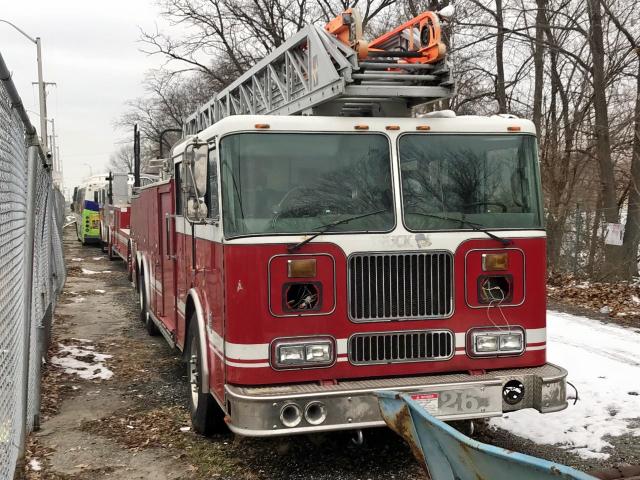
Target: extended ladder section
330,71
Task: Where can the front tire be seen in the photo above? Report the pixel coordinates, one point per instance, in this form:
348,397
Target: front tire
207,417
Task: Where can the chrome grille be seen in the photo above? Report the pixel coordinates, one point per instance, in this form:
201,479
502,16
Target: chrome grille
384,286
397,347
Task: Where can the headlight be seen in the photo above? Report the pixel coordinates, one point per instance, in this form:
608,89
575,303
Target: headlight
312,352
486,343
291,354
497,342
318,353
511,342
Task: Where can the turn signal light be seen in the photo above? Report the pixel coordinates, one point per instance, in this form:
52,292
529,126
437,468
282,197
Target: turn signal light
301,268
492,262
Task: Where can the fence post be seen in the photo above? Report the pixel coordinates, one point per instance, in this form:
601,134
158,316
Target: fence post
32,170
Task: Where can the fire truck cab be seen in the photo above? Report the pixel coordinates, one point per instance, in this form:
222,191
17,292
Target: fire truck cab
303,263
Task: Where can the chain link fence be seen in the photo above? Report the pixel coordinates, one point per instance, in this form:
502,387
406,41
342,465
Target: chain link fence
32,272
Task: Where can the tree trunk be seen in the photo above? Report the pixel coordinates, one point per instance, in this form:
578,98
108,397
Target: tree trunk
501,94
632,229
538,64
595,238
603,141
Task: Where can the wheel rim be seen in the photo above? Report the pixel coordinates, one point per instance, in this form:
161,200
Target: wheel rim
194,375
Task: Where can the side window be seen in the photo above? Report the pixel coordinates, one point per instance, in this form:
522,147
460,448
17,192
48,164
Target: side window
95,197
211,196
178,184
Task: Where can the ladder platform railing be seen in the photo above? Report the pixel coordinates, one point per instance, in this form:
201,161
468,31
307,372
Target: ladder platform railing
315,73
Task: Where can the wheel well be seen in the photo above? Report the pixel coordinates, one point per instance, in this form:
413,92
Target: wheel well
189,310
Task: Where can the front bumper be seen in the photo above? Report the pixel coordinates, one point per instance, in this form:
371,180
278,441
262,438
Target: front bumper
352,404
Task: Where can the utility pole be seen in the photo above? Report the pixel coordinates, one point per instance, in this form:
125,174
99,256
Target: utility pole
41,85
42,90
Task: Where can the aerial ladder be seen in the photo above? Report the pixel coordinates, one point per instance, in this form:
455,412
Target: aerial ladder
332,71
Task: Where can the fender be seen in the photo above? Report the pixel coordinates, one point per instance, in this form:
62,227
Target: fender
202,334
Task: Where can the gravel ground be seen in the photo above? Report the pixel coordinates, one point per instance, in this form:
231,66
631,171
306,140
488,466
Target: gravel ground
135,425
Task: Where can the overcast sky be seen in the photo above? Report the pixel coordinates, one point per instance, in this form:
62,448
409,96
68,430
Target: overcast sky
90,50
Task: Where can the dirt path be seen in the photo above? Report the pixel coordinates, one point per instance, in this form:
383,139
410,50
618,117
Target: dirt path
134,425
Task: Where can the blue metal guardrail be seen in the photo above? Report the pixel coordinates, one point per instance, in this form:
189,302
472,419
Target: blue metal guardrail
450,455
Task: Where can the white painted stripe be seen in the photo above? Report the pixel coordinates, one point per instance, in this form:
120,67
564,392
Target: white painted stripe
260,351
538,347
239,351
536,335
342,359
181,307
246,365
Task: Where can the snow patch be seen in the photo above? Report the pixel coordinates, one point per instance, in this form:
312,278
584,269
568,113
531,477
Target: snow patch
77,259
98,290
603,364
35,465
98,258
86,271
83,361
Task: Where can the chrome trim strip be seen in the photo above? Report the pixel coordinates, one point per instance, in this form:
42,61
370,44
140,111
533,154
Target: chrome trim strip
338,393
168,336
300,430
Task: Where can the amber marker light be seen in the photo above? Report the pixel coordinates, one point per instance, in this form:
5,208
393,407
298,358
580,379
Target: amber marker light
513,128
392,127
361,127
423,128
301,268
262,125
492,262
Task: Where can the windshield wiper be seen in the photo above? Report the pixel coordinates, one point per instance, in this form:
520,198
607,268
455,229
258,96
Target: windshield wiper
328,226
474,226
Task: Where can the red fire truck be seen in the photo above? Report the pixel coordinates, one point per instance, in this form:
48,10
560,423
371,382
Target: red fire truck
312,243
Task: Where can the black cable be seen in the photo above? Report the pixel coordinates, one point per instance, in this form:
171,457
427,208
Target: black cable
576,390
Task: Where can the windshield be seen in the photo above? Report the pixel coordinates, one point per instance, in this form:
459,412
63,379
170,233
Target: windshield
300,182
490,180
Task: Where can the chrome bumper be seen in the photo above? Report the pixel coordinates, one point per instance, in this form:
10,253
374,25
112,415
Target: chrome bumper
351,404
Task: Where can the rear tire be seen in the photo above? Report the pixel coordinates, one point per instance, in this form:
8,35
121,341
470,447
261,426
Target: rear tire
144,312
207,417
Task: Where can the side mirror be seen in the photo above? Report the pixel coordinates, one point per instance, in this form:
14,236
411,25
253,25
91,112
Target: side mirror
196,182
200,155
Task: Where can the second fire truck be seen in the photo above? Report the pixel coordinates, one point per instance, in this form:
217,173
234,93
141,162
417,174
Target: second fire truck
310,243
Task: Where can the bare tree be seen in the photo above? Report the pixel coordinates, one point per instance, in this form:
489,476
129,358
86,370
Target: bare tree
121,161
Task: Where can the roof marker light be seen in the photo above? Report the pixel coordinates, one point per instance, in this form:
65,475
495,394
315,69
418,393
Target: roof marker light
361,127
262,125
423,128
513,128
392,127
